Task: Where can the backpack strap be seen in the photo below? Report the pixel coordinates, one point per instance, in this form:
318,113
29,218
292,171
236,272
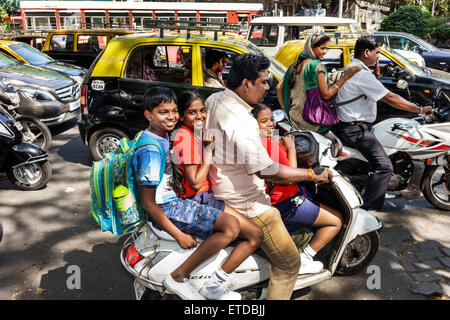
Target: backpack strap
351,100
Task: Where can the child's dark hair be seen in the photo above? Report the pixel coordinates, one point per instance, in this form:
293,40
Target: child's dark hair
154,96
258,107
185,99
300,59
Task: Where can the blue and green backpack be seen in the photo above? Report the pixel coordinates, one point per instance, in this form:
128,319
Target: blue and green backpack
115,201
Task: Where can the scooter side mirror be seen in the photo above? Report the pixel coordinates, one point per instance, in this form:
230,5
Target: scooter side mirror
279,115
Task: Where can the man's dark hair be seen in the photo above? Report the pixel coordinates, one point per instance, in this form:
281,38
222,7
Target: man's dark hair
246,66
213,56
154,96
366,42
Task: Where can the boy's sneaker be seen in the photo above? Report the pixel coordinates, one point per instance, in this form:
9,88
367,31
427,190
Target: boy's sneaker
182,289
308,265
219,292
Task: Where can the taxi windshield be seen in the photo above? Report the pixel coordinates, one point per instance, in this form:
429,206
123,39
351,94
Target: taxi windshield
30,54
6,61
411,65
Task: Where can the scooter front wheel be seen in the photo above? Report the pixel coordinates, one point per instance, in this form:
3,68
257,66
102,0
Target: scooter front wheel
436,186
358,253
30,176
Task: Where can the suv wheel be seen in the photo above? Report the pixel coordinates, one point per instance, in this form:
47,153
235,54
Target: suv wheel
103,141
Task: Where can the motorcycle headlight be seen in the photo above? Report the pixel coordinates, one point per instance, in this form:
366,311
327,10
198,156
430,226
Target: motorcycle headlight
36,94
4,130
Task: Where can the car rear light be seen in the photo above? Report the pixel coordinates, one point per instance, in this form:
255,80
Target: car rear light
83,101
132,256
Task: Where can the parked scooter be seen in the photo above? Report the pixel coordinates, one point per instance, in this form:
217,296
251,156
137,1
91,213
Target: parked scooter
419,150
150,254
25,164
33,130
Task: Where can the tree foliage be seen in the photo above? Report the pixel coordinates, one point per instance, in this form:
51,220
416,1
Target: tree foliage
409,19
10,5
414,20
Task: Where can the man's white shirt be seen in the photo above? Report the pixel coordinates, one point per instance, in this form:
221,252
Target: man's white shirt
363,109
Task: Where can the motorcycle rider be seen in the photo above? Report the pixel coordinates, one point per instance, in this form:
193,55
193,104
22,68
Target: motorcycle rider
357,109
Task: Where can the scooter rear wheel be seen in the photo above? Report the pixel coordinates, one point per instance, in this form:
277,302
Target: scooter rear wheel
30,176
358,253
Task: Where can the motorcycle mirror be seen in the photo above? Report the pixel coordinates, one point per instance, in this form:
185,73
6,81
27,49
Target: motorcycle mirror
402,84
279,115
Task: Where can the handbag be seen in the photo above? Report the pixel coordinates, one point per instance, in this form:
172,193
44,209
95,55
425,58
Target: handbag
319,112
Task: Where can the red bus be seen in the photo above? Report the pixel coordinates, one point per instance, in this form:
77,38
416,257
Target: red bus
51,15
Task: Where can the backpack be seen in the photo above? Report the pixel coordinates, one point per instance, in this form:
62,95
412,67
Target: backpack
115,203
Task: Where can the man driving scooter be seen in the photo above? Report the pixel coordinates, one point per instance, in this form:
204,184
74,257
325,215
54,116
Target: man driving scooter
357,110
238,178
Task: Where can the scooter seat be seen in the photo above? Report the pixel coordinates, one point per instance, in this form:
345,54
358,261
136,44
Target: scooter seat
163,235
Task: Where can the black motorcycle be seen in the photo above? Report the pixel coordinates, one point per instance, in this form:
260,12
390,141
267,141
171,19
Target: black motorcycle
33,130
25,164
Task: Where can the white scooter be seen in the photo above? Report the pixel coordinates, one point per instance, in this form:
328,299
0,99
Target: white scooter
419,150
150,254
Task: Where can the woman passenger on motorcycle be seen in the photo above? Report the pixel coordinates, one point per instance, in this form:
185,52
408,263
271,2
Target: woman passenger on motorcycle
296,208
305,82
183,219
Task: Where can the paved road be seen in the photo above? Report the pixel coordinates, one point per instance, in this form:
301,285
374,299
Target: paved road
50,230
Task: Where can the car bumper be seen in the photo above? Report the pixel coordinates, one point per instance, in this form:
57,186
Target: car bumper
83,128
66,116
50,112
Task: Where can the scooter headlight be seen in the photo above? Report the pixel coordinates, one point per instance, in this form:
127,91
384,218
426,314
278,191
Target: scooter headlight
36,94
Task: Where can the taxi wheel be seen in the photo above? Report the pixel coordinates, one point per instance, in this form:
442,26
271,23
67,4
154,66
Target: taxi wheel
103,141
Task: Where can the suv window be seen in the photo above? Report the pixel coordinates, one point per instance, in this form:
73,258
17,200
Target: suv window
62,42
264,35
91,42
161,63
402,43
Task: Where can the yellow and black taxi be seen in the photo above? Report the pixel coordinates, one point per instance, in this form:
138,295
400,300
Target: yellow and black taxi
113,89
79,47
28,55
421,81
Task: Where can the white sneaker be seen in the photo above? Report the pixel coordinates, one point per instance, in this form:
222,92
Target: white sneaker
182,289
219,292
308,265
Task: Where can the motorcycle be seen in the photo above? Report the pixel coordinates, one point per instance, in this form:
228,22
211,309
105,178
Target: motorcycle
24,163
33,130
150,254
419,149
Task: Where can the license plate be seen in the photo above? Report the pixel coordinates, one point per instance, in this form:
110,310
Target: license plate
18,126
74,105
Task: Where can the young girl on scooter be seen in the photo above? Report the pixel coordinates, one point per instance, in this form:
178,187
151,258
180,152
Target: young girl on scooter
183,219
193,162
296,209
